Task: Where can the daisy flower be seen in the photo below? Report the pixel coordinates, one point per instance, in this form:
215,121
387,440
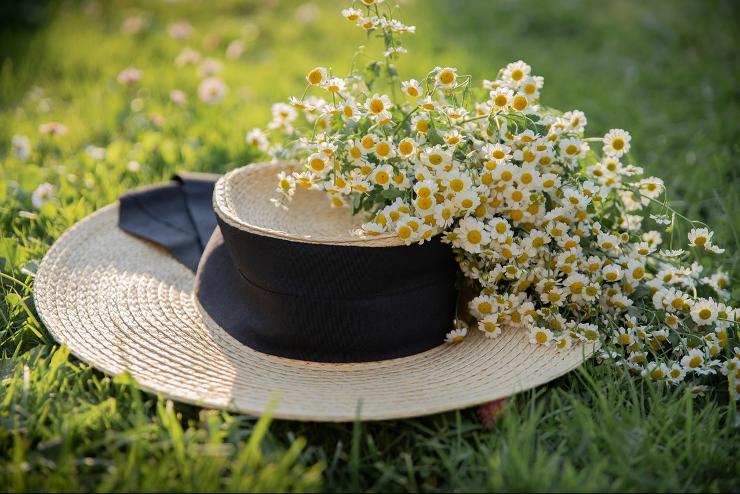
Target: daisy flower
258,139
335,85
457,335
490,325
617,143
382,176
445,77
515,73
411,88
704,312
378,104
540,336
42,194
472,234
693,361
317,76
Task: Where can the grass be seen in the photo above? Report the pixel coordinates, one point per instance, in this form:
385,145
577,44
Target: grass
667,72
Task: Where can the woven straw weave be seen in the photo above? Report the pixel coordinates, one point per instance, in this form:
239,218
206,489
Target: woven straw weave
123,304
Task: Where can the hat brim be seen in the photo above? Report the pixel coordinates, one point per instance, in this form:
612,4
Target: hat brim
122,304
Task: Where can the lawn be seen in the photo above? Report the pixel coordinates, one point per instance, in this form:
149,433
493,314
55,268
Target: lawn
666,71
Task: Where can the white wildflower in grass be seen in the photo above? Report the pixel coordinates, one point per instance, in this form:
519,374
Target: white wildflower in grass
95,152
21,146
212,90
42,194
546,221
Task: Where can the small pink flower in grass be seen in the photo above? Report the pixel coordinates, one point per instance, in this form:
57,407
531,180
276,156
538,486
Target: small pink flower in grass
53,129
134,24
43,194
235,49
157,119
489,413
178,97
187,56
180,30
212,90
209,67
129,77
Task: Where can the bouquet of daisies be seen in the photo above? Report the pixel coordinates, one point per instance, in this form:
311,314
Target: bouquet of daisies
546,223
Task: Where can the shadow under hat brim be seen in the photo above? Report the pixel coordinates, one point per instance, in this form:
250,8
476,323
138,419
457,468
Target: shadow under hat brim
123,304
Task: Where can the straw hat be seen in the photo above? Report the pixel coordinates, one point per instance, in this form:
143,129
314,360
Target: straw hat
123,304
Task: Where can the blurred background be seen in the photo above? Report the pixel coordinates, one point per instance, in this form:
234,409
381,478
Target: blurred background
667,71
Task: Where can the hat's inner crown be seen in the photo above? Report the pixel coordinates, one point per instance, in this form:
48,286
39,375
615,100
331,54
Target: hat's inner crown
242,199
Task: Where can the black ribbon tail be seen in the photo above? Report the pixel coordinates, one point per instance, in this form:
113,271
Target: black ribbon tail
177,215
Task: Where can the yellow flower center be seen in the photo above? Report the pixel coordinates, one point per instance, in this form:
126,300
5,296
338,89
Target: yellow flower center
317,164
424,202
368,142
422,126
435,159
490,327
520,103
657,373
383,149
618,144
382,177
705,313
541,337
500,100
315,76
404,232
447,77
517,75
474,237
406,148
376,105
695,362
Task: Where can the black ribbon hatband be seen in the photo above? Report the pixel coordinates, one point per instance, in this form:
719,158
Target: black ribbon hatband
318,302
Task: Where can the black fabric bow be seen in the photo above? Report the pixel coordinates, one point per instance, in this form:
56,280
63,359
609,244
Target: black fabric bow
177,215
